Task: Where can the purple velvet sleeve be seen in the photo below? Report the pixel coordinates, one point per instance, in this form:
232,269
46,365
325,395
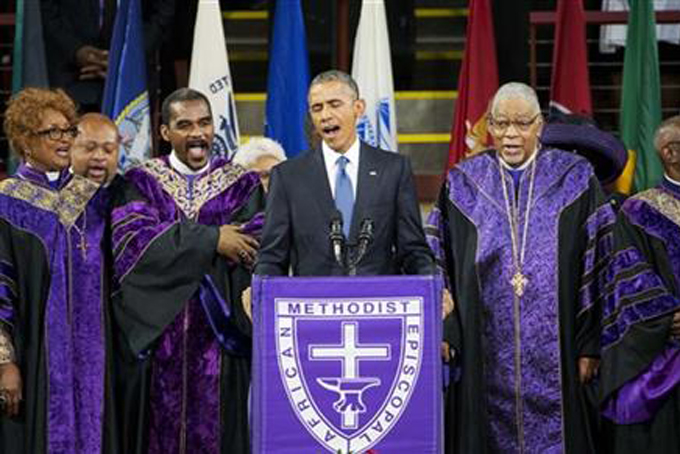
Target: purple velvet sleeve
434,237
638,400
599,230
254,226
7,292
134,227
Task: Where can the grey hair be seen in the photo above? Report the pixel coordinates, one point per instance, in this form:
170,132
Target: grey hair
334,75
515,90
668,130
256,148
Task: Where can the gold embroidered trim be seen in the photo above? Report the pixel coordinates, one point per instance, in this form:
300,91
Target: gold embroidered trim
6,347
68,203
662,202
205,187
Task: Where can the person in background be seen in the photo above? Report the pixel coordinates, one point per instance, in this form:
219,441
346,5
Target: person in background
53,380
640,369
260,154
94,154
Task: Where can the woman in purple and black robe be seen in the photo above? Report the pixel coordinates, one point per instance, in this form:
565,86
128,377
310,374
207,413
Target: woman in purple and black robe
641,315
53,381
509,231
184,370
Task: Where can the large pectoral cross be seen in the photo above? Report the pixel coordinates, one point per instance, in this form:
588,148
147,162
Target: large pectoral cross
519,282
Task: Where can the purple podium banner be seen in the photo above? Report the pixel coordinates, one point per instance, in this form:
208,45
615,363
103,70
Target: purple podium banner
347,365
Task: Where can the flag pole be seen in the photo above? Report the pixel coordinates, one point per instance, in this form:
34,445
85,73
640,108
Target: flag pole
342,35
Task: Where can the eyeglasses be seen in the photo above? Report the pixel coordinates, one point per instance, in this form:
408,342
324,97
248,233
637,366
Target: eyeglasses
674,145
56,133
500,126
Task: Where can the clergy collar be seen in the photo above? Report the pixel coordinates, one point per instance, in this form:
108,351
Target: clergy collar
184,169
352,154
523,166
671,184
51,176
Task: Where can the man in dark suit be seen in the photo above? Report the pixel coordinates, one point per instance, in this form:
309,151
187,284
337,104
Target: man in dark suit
342,174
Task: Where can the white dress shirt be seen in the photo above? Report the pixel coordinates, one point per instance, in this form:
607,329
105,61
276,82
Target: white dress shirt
184,169
330,158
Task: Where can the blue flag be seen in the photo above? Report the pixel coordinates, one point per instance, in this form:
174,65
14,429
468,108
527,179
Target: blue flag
126,98
288,79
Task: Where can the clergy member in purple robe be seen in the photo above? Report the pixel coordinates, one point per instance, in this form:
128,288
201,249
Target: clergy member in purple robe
641,315
509,230
183,239
52,333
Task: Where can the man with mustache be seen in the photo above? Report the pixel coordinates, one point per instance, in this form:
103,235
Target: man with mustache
183,240
95,150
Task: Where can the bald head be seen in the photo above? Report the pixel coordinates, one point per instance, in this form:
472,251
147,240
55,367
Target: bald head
94,154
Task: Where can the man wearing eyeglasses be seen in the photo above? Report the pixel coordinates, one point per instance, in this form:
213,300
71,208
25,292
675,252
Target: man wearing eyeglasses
94,154
509,231
641,322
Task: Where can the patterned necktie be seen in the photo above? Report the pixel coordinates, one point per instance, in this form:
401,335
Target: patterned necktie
344,197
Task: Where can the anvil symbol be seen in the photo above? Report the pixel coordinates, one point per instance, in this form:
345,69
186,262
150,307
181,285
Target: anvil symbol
350,391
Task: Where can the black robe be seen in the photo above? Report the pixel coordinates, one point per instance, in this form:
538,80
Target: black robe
492,405
640,294
52,301
184,339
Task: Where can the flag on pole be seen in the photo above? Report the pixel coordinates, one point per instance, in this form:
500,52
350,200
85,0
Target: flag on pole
288,79
477,83
210,75
126,98
641,94
570,84
29,68
372,70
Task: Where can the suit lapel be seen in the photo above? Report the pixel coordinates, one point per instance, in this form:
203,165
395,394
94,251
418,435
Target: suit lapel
367,186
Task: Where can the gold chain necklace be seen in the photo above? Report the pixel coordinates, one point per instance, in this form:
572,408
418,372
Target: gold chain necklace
519,281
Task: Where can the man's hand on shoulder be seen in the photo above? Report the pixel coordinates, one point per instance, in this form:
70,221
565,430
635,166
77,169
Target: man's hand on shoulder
237,246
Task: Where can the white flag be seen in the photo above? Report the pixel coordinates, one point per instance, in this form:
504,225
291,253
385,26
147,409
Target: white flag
210,75
372,70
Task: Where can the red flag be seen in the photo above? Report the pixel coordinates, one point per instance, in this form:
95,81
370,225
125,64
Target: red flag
570,89
477,83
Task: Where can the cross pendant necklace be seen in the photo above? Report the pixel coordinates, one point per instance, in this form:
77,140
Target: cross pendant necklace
519,281
82,243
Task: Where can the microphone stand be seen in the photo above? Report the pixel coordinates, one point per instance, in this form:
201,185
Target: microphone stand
337,238
365,238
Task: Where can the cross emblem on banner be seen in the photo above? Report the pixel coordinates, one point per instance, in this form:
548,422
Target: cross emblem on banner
350,386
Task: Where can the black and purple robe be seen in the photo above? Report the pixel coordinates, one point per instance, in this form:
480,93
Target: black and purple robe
640,359
183,385
52,301
516,387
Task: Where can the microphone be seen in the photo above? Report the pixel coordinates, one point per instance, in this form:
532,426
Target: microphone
365,237
337,237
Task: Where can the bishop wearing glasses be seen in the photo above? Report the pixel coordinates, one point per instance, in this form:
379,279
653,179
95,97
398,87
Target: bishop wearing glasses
509,231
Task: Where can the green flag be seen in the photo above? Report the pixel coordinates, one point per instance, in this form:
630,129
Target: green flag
29,68
641,95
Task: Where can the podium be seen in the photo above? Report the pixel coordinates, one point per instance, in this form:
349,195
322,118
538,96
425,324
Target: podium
347,365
